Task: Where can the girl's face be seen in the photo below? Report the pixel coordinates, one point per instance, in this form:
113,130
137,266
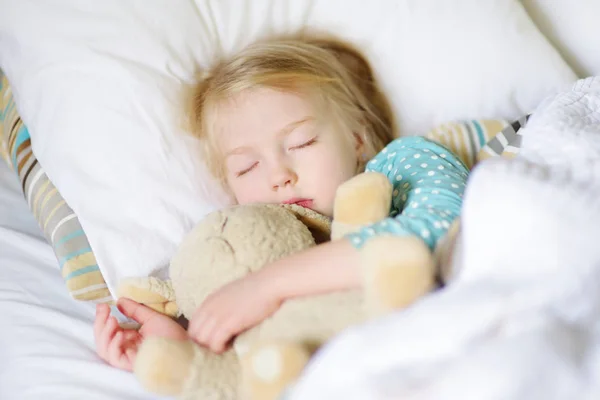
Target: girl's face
277,150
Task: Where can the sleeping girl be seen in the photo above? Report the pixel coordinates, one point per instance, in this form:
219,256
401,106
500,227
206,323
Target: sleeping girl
289,121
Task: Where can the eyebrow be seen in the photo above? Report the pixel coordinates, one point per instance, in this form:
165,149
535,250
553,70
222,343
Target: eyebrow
289,128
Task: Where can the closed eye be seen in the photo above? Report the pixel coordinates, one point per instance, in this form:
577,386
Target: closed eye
303,145
245,171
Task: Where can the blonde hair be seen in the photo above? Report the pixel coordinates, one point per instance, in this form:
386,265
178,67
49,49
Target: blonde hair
333,72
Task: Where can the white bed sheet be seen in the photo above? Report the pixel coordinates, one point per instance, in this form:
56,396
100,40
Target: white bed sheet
46,340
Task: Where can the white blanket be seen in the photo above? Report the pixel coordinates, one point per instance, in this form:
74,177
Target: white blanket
522,318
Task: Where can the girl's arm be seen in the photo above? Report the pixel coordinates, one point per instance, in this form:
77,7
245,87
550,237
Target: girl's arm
248,301
321,269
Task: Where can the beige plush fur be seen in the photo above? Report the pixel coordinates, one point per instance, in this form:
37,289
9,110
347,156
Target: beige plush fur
361,201
231,243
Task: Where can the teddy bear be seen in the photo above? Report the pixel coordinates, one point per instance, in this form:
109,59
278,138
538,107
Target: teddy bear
228,244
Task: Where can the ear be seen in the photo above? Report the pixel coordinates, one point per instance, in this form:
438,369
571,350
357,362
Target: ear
359,146
362,155
152,292
318,224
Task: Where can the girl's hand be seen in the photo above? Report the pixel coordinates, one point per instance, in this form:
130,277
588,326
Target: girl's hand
118,346
234,308
240,305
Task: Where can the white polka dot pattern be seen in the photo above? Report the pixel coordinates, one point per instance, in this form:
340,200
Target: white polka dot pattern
426,199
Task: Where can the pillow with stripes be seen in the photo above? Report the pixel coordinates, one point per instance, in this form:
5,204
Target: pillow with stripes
59,223
506,143
467,138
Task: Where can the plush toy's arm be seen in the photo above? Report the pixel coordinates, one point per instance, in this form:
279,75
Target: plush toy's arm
152,292
397,270
447,252
361,201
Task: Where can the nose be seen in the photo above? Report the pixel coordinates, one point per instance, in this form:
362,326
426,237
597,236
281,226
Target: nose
283,176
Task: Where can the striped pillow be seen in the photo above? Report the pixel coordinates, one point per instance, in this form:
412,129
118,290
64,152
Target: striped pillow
60,225
467,138
507,143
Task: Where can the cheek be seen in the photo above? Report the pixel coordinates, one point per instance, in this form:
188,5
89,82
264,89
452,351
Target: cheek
345,164
332,171
245,191
238,190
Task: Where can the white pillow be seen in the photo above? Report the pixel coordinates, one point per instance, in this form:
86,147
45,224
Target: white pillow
572,26
98,84
437,60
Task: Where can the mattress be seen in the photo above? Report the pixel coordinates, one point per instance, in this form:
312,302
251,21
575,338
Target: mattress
46,338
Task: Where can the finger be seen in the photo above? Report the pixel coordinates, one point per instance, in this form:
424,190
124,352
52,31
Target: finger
129,357
102,313
114,350
107,335
220,338
131,335
136,311
196,323
206,330
123,353
131,343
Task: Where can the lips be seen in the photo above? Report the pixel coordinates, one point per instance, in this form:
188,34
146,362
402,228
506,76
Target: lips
306,203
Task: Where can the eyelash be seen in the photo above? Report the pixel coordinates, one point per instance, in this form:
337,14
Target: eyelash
310,142
303,145
244,172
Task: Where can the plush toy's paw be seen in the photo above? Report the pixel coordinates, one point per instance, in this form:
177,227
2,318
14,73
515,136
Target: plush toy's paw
397,271
447,253
152,292
362,200
268,369
163,365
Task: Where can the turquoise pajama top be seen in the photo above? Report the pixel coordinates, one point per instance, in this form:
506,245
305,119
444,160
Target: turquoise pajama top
428,185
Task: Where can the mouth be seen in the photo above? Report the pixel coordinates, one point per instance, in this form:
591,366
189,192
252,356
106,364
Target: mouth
306,203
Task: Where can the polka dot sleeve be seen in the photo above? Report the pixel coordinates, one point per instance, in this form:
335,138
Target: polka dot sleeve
428,182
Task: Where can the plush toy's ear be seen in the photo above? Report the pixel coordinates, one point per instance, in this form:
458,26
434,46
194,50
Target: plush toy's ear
318,224
152,292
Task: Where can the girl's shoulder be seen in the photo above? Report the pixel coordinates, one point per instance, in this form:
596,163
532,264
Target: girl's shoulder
412,143
417,147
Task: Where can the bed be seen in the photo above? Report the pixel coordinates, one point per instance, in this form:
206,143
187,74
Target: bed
46,339
120,65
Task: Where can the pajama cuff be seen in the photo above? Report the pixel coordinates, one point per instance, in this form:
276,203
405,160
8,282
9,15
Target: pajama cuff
387,227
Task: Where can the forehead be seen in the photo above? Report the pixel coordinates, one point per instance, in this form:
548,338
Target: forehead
257,114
